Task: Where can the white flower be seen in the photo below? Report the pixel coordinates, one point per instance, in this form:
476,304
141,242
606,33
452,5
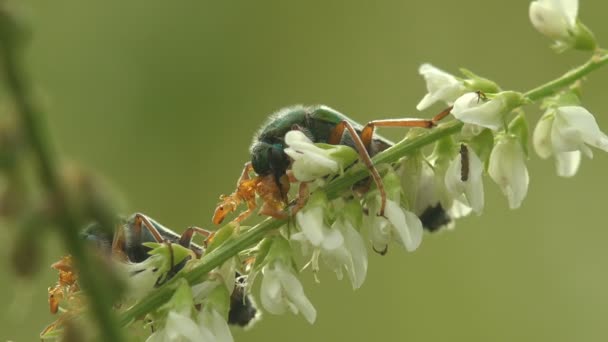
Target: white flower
351,255
178,327
566,132
311,162
341,246
555,19
398,223
210,327
471,108
213,327
281,290
467,189
311,221
574,128
440,85
426,195
508,169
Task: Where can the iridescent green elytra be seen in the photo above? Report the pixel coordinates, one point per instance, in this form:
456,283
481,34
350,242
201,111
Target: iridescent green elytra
317,122
322,124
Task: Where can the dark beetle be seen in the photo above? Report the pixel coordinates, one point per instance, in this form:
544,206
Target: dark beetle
320,124
138,229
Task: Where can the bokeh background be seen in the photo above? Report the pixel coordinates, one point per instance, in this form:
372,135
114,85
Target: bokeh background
162,98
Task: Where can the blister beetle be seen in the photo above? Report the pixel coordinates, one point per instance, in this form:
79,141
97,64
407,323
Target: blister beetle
321,124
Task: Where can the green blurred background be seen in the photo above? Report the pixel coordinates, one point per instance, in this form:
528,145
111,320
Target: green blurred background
162,98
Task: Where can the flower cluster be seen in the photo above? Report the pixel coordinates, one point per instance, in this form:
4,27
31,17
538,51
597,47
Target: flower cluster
420,191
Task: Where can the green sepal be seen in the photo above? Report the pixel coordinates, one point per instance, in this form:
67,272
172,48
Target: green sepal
179,253
444,152
570,97
444,148
181,301
344,155
519,128
478,83
262,249
392,185
222,235
411,169
353,212
317,199
584,39
280,251
482,144
512,100
219,300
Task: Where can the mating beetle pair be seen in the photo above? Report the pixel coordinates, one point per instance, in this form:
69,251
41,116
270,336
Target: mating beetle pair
320,124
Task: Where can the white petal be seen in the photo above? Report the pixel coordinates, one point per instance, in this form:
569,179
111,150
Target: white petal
310,162
568,8
217,325
180,326
579,119
441,86
271,292
205,334
357,269
567,163
469,108
459,209
474,184
427,193
410,237
472,188
541,138
310,220
295,293
380,233
415,231
333,239
297,138
550,21
453,175
508,169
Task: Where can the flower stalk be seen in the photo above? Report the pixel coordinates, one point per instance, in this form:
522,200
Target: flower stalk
335,188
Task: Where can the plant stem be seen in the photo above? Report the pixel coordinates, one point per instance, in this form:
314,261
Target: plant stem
65,218
549,88
342,183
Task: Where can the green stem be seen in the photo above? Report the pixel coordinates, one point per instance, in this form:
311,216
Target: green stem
208,262
66,220
339,185
550,88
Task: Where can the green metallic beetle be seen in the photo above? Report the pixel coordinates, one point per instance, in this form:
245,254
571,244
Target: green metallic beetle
320,124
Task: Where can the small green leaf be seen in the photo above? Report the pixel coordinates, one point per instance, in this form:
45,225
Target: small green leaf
222,235
478,83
